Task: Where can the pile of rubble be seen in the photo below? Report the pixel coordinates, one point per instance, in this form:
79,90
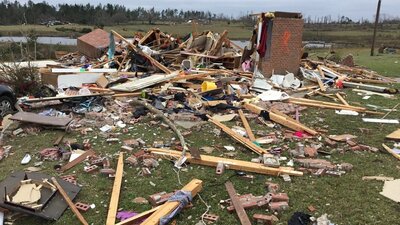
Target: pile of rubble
186,83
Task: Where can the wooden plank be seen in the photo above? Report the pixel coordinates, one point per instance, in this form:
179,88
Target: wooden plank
321,72
232,164
397,156
246,142
342,99
368,81
281,118
241,213
321,104
193,186
133,220
69,202
395,135
246,126
77,160
151,59
134,94
29,117
58,140
199,55
138,84
113,207
65,97
321,85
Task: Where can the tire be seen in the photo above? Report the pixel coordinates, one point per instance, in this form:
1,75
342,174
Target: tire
6,106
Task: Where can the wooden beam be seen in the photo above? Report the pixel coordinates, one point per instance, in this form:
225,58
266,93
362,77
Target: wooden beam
246,126
151,59
69,201
133,220
321,85
321,104
133,94
241,213
321,72
246,142
113,207
368,81
233,164
397,156
342,99
77,160
65,97
281,118
193,186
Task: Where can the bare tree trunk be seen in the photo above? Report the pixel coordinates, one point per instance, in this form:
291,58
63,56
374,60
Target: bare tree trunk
160,114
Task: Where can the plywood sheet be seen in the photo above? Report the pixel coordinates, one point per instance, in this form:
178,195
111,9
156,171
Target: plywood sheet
39,119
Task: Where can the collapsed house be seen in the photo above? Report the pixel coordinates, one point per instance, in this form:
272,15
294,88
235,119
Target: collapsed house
112,83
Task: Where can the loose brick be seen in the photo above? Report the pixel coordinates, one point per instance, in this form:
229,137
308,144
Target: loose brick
82,206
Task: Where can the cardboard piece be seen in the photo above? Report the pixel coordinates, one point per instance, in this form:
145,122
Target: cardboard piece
391,190
395,135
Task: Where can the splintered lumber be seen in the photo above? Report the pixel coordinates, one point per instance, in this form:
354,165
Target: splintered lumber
69,202
113,207
167,208
321,85
397,156
246,126
140,216
321,104
241,213
395,135
65,97
151,59
246,142
233,164
195,76
370,81
220,41
133,94
280,118
342,99
77,160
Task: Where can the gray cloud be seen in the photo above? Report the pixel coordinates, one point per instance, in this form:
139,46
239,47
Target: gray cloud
354,9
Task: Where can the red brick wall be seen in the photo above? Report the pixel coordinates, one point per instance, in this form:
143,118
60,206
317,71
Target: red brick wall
286,47
88,49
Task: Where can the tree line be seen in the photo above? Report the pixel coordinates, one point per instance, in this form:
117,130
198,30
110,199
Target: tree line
12,13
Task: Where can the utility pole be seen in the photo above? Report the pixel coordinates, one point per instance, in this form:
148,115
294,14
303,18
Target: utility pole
378,10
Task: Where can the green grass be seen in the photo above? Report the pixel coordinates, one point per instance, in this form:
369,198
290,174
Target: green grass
384,64
347,199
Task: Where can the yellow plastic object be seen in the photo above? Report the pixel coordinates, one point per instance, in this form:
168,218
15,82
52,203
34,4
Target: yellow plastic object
207,86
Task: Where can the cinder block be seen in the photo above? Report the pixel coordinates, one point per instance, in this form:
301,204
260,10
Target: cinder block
220,168
82,206
89,169
159,198
265,219
278,206
211,217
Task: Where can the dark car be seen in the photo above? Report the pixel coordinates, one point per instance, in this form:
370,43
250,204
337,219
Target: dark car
7,100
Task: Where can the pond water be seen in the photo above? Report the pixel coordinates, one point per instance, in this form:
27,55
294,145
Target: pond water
72,41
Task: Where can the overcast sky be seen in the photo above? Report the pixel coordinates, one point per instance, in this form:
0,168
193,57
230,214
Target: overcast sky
354,9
